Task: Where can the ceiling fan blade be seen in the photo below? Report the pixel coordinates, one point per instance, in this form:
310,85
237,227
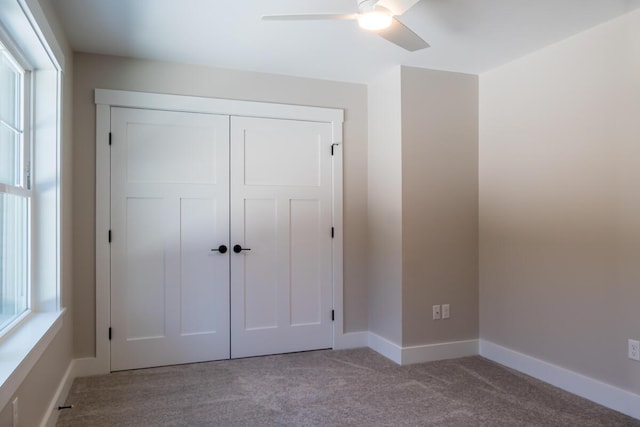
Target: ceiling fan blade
397,7
312,17
402,36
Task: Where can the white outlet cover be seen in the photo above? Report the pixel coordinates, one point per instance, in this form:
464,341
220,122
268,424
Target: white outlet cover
436,312
634,350
445,311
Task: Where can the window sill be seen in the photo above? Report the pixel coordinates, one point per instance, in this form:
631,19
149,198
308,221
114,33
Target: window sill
23,347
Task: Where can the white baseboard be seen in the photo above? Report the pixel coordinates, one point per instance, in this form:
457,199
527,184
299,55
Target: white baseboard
51,416
439,351
77,368
351,340
604,394
87,366
422,353
385,347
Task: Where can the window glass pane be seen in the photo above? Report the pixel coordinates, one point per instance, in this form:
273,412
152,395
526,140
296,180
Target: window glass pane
10,156
10,125
9,91
14,255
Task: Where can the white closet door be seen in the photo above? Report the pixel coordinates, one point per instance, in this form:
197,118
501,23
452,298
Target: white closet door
281,282
169,209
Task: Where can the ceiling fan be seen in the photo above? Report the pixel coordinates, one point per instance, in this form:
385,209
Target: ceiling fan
378,16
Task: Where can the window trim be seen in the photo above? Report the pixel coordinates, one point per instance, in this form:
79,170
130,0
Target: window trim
21,349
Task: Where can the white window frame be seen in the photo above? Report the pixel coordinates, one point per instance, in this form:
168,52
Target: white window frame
27,35
23,188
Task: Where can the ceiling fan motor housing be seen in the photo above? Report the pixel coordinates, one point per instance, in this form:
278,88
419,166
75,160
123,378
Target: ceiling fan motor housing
365,6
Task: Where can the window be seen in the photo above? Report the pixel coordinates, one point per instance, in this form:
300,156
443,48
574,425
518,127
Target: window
31,73
15,194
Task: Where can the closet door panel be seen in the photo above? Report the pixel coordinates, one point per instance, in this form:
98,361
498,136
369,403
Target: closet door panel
169,209
281,281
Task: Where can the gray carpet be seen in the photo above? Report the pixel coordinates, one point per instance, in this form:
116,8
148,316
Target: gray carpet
329,388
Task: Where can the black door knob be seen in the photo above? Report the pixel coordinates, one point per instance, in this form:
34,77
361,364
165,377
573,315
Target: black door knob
237,249
222,249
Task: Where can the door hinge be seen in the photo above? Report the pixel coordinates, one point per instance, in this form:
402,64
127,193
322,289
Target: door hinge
333,232
109,236
109,138
332,145
333,315
109,333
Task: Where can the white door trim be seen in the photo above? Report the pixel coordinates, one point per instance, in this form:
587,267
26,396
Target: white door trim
230,107
105,99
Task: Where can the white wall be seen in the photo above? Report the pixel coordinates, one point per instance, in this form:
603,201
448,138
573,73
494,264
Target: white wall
560,203
385,207
106,72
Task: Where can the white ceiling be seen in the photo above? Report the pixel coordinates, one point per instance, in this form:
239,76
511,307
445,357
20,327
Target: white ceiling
470,36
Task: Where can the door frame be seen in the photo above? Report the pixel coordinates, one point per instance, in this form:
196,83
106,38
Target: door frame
106,98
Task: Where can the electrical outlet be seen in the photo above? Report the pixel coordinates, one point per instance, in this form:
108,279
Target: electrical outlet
445,311
634,350
15,412
436,312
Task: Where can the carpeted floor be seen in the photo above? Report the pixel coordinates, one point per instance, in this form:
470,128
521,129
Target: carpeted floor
328,388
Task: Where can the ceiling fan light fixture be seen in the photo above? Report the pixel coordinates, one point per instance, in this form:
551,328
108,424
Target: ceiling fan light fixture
377,19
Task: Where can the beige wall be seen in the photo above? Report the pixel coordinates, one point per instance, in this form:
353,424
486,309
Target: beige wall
559,210
560,203
96,71
423,205
385,207
38,388
439,205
